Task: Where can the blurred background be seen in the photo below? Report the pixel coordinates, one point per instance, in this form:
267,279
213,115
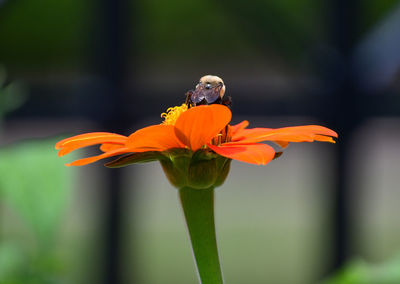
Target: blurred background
322,213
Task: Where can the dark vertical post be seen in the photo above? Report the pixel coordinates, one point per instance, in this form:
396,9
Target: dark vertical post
110,57
345,118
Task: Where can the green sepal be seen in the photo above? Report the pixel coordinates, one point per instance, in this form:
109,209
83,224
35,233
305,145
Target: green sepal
199,170
177,152
204,154
143,157
175,169
202,173
174,165
223,167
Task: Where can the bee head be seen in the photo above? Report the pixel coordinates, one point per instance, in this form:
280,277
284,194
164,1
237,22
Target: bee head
210,81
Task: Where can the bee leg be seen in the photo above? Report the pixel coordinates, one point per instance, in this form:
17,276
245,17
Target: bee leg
188,98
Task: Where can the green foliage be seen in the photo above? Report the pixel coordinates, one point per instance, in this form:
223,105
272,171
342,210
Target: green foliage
373,12
361,272
34,192
44,32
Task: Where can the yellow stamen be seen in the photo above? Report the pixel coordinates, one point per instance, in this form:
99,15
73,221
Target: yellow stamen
172,114
223,137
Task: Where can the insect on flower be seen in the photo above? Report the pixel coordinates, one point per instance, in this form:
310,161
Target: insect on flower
209,90
197,132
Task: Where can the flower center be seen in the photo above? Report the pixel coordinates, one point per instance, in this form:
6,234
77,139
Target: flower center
172,114
223,137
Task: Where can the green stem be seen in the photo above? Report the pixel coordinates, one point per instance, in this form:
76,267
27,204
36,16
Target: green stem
198,208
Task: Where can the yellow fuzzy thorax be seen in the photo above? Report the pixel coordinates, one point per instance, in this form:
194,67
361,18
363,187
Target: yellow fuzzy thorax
172,114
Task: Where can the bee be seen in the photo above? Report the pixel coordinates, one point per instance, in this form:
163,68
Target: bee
209,90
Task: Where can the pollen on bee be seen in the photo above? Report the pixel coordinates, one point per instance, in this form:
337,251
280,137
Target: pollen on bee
172,114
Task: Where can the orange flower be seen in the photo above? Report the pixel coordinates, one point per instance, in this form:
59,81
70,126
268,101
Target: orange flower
202,127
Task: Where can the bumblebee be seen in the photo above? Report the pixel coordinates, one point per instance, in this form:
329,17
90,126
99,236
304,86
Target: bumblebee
209,90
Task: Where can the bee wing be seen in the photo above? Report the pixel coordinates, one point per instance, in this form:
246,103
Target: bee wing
212,94
201,93
198,95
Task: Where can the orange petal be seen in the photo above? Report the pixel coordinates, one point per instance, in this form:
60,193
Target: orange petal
315,129
153,138
238,127
323,138
106,147
259,154
306,133
93,159
83,140
247,134
198,125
